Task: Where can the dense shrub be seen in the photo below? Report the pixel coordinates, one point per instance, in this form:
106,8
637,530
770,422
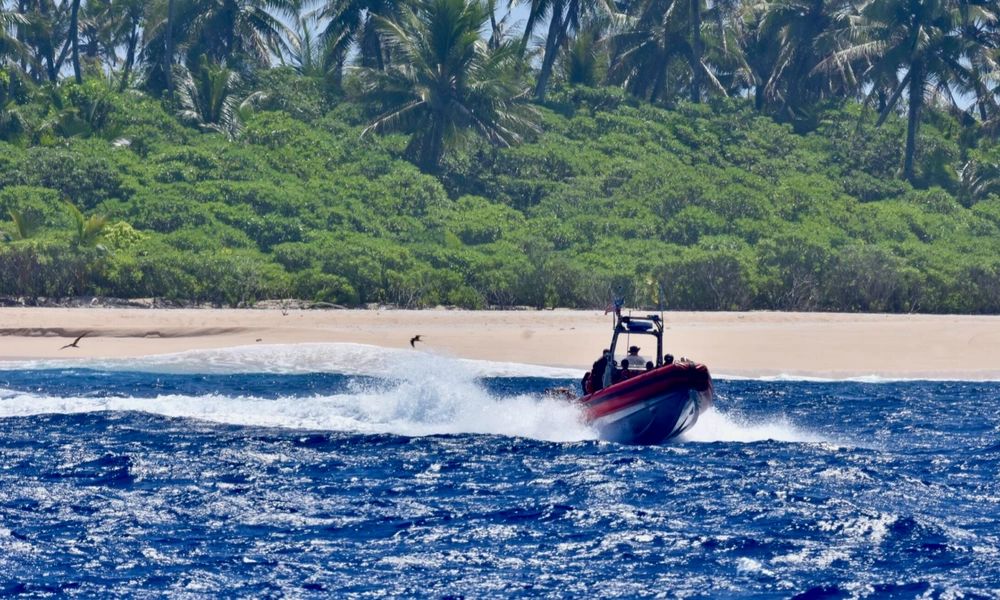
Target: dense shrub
700,207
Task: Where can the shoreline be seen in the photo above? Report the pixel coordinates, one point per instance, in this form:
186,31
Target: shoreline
750,344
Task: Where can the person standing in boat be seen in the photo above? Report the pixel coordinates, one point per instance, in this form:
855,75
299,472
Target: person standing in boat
635,360
597,371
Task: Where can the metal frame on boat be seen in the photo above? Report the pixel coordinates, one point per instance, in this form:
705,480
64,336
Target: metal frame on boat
647,407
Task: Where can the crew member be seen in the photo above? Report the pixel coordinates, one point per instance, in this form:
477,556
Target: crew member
597,371
635,361
624,374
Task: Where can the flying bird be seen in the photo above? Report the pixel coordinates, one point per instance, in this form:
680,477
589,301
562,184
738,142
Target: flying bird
76,341
414,340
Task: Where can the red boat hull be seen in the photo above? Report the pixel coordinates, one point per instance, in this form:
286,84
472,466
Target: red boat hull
651,407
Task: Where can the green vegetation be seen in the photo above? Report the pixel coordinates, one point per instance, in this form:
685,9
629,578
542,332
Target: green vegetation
450,82
159,149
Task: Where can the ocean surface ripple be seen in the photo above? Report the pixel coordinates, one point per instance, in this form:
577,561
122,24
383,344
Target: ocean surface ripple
447,480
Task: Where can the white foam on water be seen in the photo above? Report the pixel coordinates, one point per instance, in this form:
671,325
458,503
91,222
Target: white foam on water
368,413
348,359
363,359
428,395
714,426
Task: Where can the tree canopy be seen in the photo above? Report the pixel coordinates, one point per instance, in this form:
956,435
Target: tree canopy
836,155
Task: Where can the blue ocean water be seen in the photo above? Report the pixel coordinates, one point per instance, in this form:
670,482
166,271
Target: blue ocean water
287,475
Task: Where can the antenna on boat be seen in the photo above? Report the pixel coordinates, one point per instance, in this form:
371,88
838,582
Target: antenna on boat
659,299
663,324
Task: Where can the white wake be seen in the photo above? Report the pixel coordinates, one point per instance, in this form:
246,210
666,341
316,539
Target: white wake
421,393
426,395
715,426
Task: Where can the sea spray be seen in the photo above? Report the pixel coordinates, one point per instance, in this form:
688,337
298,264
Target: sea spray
384,390
380,390
716,426
425,395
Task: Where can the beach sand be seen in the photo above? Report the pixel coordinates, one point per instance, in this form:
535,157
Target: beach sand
749,344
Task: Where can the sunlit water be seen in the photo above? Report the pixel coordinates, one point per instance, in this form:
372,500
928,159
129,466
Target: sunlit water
336,470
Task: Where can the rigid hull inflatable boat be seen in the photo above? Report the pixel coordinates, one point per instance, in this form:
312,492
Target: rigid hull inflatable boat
634,401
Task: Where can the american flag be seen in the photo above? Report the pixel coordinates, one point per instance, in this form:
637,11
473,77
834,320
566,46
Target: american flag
615,305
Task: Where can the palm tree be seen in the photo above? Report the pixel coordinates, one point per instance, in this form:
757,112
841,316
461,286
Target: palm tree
209,98
921,41
565,17
40,34
129,29
499,30
87,231
240,33
163,43
352,24
26,223
663,50
12,122
305,52
759,50
73,39
12,51
242,29
721,36
560,20
980,26
585,58
112,24
977,181
448,81
71,46
804,31
697,48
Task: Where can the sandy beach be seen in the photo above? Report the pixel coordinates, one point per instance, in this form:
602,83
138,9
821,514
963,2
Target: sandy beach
743,344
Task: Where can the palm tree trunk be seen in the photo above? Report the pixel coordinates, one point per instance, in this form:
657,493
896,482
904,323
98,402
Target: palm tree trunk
133,42
336,74
168,59
494,41
45,48
68,45
887,105
529,28
659,84
74,32
371,46
432,149
230,49
697,50
22,8
913,119
557,29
